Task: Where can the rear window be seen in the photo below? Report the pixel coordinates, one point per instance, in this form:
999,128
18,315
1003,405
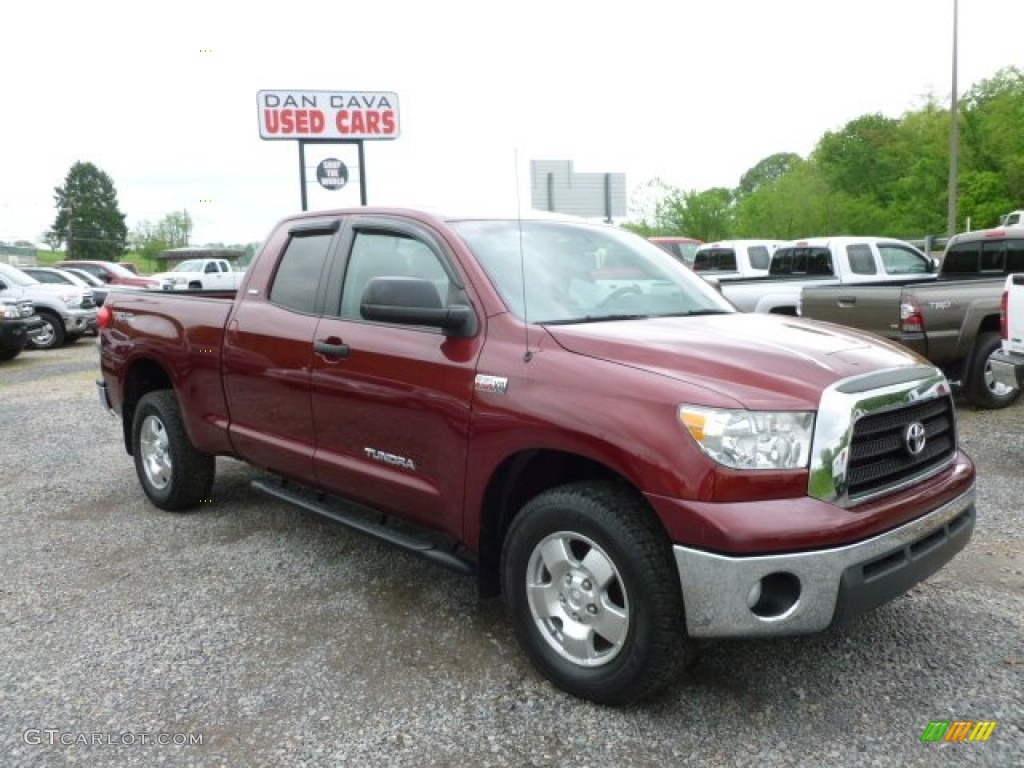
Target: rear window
802,260
759,257
962,259
715,260
298,273
861,260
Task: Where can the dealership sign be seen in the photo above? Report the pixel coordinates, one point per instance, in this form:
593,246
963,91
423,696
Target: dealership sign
330,115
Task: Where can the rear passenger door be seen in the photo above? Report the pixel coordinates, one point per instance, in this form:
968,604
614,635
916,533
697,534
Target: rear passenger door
391,403
268,355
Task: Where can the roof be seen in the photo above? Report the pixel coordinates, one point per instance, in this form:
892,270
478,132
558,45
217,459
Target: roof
180,254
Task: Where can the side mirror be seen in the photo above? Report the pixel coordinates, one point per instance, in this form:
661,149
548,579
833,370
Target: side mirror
414,301
3,285
933,264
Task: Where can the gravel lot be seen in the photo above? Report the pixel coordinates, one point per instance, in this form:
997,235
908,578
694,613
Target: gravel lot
284,640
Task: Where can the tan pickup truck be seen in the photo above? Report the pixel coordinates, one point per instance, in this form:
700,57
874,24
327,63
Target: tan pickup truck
952,320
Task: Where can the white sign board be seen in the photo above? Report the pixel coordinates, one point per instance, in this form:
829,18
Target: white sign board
328,114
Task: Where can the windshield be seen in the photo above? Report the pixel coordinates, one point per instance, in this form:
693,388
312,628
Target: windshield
16,276
192,265
578,272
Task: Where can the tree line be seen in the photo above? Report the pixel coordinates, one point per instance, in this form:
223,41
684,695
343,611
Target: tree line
874,176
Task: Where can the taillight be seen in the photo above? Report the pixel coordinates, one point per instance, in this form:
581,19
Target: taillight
911,320
103,316
1004,314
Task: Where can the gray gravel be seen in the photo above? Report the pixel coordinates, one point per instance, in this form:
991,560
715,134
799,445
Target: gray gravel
284,640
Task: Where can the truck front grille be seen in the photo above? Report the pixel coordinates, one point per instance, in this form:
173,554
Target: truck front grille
886,449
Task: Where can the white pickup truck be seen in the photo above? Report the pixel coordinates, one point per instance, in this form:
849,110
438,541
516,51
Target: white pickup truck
201,275
1007,364
827,261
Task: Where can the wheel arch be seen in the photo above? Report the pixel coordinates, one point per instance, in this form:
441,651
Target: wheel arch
144,376
519,478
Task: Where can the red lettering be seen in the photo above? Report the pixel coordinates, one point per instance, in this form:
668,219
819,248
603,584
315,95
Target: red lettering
366,122
304,121
272,123
358,124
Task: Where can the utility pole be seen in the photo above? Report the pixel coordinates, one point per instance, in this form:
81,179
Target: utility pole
954,137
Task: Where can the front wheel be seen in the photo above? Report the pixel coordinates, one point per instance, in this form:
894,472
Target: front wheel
174,475
51,334
594,596
982,388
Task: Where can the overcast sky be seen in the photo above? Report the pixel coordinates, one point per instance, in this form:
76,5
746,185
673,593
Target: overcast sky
163,97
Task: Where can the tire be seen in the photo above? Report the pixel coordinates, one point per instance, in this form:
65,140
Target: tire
591,558
53,331
174,475
982,390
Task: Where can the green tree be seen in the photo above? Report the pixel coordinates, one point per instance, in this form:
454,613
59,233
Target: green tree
706,215
767,171
173,231
88,217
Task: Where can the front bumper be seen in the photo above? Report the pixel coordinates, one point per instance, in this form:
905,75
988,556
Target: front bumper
78,321
1007,368
790,594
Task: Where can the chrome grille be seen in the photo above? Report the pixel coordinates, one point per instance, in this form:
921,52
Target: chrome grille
879,456
863,444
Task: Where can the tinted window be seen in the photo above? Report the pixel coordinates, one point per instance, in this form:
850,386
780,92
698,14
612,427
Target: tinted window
715,260
378,254
801,260
992,256
1015,255
962,259
861,260
298,273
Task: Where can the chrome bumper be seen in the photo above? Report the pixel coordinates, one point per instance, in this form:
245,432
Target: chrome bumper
1007,368
804,592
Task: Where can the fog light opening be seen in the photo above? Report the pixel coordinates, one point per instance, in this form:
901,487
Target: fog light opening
774,595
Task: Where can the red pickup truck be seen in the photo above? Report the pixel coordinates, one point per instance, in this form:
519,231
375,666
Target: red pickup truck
564,410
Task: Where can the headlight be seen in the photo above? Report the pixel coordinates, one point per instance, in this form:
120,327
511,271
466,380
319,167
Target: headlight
71,299
9,310
751,439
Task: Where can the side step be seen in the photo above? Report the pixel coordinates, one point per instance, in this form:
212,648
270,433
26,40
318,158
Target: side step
315,503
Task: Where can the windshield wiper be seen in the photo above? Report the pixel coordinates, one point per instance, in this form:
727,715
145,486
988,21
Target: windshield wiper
594,319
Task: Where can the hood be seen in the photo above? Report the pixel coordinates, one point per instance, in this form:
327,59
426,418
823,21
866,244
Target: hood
757,360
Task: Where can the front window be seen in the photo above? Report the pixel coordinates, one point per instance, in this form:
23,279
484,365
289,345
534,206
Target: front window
565,272
899,260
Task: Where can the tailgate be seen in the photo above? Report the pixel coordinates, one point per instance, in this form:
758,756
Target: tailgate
874,308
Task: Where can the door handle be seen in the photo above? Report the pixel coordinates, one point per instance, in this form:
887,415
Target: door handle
846,301
331,347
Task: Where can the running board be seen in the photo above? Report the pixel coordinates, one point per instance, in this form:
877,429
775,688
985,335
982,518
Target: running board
422,547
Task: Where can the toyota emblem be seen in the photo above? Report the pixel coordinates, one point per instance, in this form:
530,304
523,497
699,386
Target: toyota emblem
915,438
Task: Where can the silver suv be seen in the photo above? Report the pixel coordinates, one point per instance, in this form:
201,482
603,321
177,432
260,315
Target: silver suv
67,311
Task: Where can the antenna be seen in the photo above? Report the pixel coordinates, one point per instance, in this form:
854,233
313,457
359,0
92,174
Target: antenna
528,355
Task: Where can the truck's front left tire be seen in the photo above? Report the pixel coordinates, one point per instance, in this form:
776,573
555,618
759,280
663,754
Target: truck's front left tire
174,475
593,592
